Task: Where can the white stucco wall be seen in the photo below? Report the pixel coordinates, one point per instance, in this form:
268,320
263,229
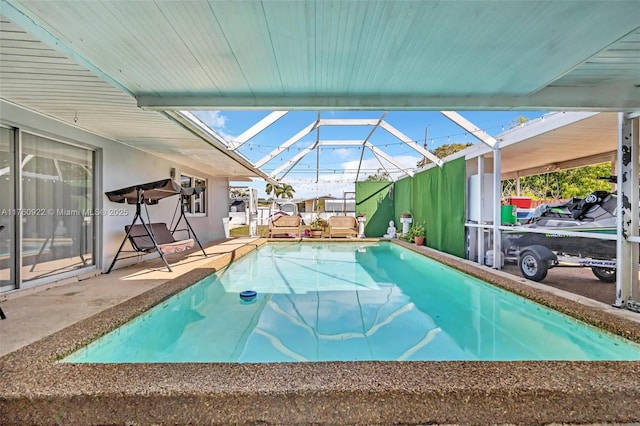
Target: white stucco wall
123,166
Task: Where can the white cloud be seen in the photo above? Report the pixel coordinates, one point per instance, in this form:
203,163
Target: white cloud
216,121
343,152
370,165
213,119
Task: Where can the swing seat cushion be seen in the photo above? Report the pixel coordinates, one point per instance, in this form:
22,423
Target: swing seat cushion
141,241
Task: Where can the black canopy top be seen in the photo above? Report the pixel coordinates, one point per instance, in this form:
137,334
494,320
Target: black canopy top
193,190
151,192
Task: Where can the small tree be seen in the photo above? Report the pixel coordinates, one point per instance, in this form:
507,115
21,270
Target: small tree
285,191
444,151
379,176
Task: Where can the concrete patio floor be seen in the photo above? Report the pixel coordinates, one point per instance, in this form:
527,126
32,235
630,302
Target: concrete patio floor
38,312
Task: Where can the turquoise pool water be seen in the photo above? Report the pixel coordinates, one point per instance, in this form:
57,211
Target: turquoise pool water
349,302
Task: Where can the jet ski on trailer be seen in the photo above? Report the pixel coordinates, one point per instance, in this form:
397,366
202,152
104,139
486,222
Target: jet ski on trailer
537,252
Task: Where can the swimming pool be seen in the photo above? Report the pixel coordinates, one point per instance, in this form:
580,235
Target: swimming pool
349,302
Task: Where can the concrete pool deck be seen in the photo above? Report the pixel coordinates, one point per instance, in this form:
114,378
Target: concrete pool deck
34,388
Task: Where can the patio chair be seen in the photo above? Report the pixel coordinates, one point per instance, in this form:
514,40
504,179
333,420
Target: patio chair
343,226
285,225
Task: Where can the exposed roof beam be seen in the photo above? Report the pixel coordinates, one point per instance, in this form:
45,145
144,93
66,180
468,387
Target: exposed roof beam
384,155
562,165
384,167
476,132
257,128
384,114
407,140
554,98
301,134
293,161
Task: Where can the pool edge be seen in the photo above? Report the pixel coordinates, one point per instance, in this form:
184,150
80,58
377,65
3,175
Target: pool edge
34,388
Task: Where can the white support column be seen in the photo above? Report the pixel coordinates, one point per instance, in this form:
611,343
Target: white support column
517,184
480,189
497,196
627,221
614,170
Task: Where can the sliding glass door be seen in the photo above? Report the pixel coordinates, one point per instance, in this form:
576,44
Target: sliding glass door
46,208
57,207
7,210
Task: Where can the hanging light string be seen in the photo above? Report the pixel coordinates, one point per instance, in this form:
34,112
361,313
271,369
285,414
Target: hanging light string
265,148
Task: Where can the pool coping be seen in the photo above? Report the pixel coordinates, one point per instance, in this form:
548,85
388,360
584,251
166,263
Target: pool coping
34,388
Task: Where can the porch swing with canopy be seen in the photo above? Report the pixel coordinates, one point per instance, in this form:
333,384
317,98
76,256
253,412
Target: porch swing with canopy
147,237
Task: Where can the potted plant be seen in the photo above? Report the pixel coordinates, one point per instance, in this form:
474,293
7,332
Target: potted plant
417,233
317,226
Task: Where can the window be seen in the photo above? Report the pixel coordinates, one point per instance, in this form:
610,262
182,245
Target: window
195,204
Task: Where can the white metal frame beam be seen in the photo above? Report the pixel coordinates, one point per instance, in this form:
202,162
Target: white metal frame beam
293,161
348,122
256,129
384,114
301,134
411,143
379,152
476,132
341,143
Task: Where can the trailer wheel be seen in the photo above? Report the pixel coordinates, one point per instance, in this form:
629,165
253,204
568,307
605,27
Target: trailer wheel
607,275
532,266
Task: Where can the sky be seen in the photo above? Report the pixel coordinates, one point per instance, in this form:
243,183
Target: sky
338,165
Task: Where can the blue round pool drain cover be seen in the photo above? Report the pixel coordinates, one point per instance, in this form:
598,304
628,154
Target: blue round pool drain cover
248,295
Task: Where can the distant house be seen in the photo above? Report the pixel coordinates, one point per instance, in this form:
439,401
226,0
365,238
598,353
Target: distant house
238,206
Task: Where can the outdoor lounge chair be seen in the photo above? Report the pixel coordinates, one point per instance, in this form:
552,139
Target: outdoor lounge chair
343,226
285,225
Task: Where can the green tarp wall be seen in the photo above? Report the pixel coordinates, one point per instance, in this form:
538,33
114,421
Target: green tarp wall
402,201
435,197
372,199
438,196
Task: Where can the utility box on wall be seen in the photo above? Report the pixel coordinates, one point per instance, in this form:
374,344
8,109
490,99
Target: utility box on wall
473,201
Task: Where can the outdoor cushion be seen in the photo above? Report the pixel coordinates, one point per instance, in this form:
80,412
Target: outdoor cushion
141,241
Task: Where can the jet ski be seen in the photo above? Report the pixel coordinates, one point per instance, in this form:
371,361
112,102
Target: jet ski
537,252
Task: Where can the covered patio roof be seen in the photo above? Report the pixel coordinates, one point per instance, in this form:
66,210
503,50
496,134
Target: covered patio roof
94,64
556,141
